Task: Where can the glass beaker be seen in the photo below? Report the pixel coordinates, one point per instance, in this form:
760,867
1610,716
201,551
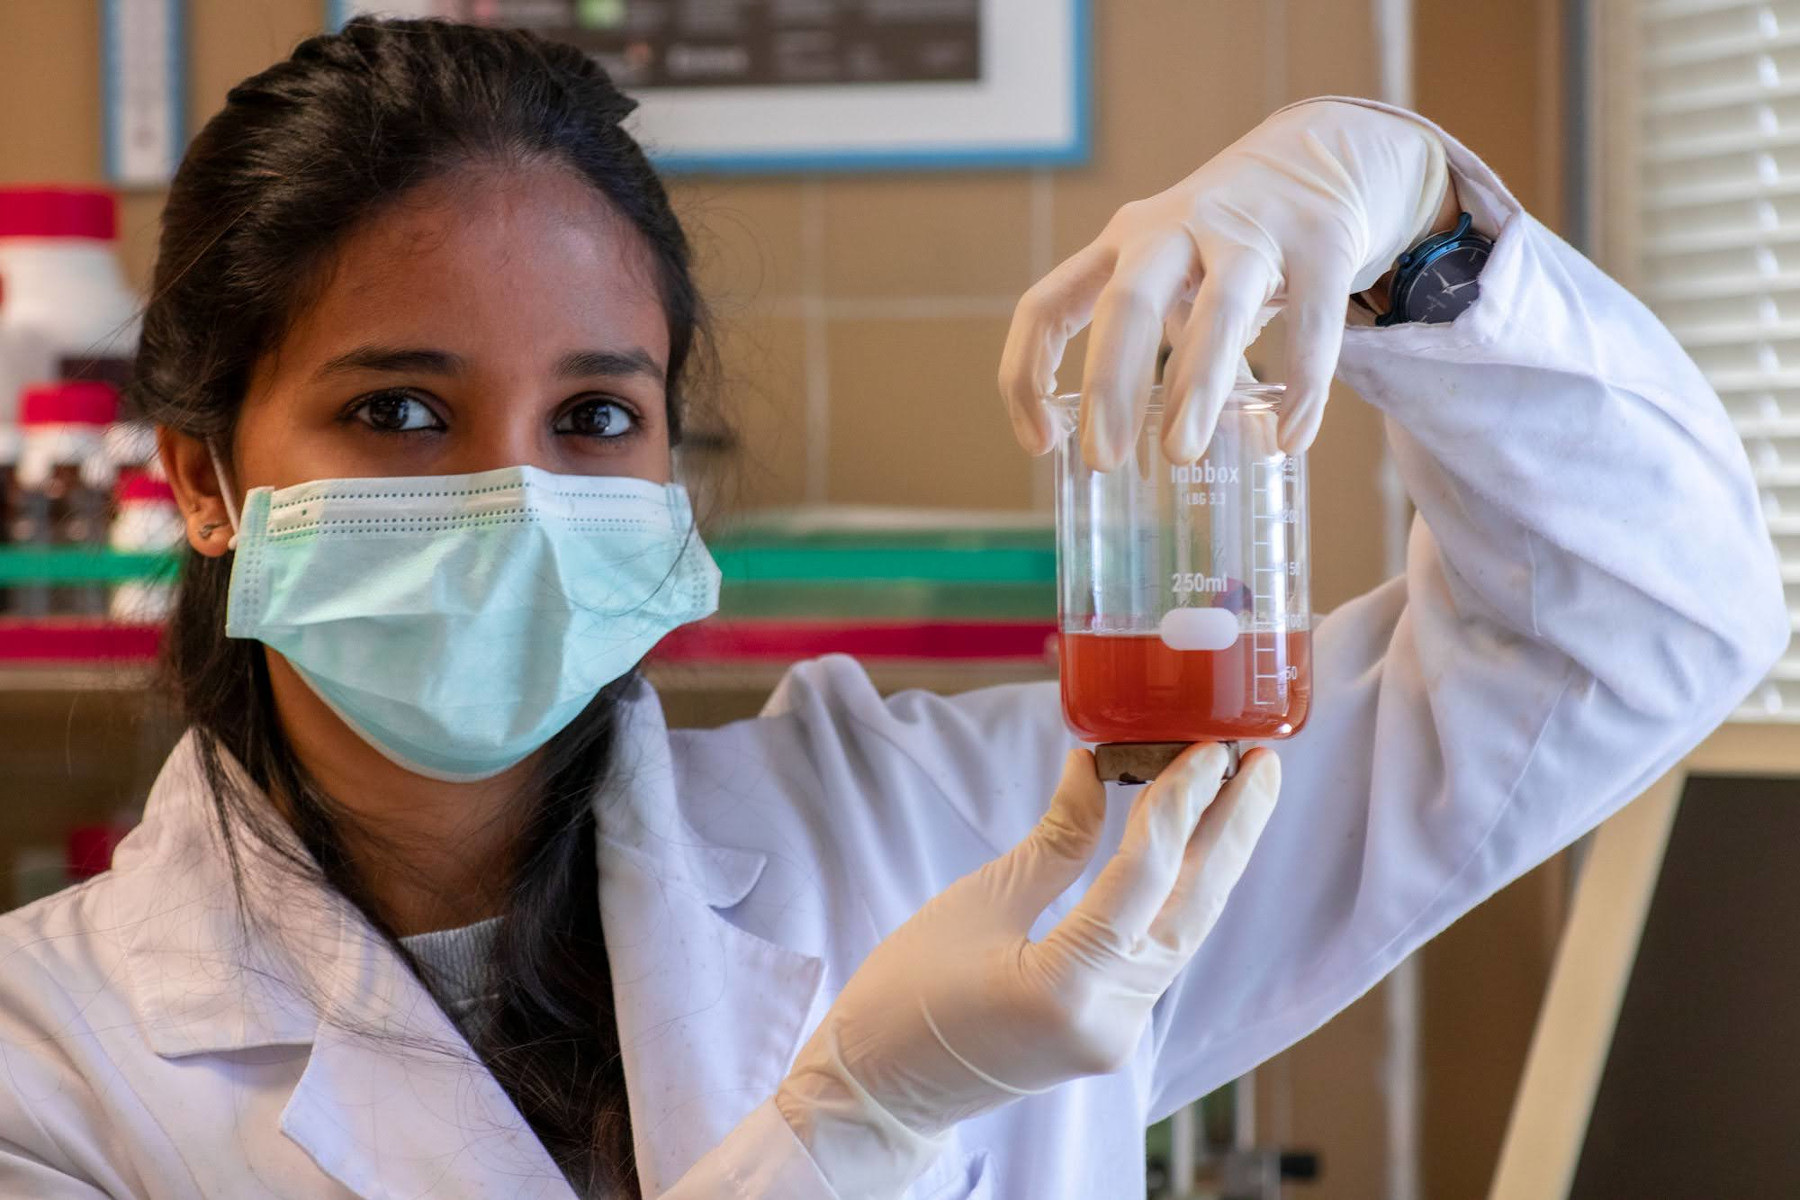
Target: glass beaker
1183,603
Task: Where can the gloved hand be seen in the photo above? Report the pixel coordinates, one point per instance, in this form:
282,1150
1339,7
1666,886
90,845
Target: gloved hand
958,1011
1309,207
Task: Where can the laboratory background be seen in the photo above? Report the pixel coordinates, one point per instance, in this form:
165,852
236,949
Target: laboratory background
1619,1022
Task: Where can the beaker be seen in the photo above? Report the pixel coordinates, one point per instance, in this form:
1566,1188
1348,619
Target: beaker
1183,604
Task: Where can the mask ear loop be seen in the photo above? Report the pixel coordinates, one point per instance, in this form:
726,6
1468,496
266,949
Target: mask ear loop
224,478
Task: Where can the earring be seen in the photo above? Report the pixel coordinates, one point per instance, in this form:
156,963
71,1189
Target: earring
206,530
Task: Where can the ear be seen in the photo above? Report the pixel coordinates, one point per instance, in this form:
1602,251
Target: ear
188,464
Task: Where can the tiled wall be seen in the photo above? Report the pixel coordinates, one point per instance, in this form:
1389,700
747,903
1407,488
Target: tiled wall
860,319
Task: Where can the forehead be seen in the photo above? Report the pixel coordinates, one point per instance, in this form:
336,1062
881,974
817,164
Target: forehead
495,262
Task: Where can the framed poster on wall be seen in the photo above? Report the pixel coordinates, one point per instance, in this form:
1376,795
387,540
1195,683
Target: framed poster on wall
143,91
763,86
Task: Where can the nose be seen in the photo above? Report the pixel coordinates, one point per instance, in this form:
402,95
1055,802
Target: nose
510,428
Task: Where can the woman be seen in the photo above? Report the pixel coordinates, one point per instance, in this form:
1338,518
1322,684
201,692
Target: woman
417,344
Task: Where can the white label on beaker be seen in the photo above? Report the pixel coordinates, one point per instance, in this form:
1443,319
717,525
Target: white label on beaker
1199,628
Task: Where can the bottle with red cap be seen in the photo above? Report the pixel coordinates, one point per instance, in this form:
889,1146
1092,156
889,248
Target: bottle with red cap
145,519
66,311
61,483
89,849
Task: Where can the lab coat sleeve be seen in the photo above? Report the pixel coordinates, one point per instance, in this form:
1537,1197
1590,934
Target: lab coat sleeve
761,1159
1589,590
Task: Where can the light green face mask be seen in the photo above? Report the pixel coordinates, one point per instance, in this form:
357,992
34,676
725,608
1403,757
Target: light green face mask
459,622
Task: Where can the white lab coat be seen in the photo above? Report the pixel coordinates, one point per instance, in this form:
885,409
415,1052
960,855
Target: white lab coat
1589,591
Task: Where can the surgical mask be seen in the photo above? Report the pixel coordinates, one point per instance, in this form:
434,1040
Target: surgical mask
459,622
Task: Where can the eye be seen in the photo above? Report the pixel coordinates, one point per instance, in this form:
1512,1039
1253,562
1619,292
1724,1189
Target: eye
396,412
597,419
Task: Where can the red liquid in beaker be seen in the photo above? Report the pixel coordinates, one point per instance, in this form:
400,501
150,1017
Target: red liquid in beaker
1133,688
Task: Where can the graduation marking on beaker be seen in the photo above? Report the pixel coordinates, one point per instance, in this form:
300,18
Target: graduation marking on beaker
1269,674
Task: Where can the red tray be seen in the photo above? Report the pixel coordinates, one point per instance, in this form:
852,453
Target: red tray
89,642
97,642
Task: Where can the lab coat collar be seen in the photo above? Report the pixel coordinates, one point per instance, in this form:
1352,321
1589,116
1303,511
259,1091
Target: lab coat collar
640,815
205,977
210,975
410,1111
709,1016
392,1102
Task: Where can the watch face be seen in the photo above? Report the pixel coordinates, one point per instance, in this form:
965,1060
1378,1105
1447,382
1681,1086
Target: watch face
1447,285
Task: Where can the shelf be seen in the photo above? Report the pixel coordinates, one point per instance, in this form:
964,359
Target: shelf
989,557
58,643
723,640
80,564
70,653
71,677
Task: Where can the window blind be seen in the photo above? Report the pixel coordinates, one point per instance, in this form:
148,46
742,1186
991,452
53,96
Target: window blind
1715,186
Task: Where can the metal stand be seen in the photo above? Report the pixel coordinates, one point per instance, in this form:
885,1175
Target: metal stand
1213,1153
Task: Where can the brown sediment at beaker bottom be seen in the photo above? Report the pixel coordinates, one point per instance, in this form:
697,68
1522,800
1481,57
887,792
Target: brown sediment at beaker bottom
1140,762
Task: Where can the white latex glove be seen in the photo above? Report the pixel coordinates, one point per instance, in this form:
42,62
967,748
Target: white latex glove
958,1011
1306,209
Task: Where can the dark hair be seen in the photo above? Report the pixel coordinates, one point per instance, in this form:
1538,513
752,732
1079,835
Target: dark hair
300,155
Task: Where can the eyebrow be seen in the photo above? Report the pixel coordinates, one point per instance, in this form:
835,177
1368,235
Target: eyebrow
579,364
583,364
394,359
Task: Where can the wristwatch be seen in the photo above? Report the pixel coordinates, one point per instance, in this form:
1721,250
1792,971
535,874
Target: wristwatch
1438,278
